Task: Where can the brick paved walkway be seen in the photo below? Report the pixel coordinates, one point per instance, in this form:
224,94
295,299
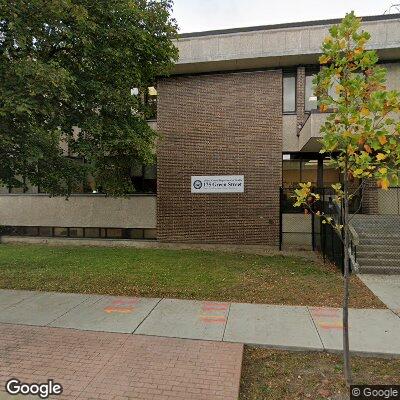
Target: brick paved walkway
114,366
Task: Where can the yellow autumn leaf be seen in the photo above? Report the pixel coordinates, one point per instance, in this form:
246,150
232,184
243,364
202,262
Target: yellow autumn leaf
384,183
339,88
324,59
365,112
350,150
380,156
382,139
358,172
382,170
323,107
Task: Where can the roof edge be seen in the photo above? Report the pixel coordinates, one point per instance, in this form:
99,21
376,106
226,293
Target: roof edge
369,18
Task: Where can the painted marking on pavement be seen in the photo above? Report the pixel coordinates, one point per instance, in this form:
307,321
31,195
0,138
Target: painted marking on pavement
335,325
324,312
122,306
119,310
213,312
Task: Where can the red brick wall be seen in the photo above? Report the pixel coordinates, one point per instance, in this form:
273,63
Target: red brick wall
300,100
370,198
222,124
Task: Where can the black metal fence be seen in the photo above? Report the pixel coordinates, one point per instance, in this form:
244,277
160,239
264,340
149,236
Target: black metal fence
322,237
374,227
307,227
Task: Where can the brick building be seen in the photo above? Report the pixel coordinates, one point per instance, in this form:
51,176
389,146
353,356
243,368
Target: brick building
238,105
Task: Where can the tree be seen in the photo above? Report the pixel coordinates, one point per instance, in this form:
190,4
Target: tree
74,63
361,134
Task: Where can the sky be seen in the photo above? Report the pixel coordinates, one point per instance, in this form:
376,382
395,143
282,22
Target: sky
203,15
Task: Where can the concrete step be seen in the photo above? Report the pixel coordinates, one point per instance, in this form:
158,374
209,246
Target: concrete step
379,248
377,227
376,233
380,240
376,269
378,253
383,261
376,221
382,218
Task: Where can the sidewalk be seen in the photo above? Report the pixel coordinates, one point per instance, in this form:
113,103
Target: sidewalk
386,287
372,332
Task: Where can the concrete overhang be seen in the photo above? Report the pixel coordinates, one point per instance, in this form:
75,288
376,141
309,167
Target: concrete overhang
310,134
275,46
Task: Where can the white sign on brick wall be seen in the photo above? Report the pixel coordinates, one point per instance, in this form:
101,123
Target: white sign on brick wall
218,184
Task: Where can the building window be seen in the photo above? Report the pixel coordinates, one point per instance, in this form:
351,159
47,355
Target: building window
310,101
331,175
300,168
291,173
144,178
312,168
309,171
103,233
289,93
151,103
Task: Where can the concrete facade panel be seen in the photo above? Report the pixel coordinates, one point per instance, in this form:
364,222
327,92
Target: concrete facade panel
393,32
290,139
296,223
275,46
78,211
250,44
272,41
393,76
378,33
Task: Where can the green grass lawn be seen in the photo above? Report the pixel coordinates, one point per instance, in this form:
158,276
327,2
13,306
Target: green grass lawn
188,274
282,375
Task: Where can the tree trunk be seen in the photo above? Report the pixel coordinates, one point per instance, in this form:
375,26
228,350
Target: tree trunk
346,281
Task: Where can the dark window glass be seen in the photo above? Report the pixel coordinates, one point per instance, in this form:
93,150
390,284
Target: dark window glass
144,178
45,231
331,175
150,234
289,93
110,233
299,170
309,170
92,232
61,232
151,102
30,231
114,233
135,233
291,172
76,232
